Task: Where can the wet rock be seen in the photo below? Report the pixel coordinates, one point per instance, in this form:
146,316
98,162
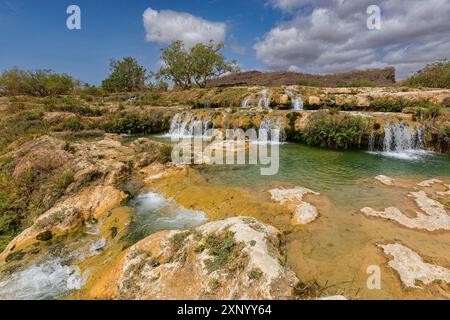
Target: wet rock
45,236
411,267
429,183
385,180
213,261
283,195
302,212
114,232
445,193
434,217
15,256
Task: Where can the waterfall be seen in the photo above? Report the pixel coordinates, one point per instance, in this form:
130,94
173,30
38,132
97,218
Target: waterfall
400,137
372,142
401,141
187,125
264,101
245,103
297,101
267,132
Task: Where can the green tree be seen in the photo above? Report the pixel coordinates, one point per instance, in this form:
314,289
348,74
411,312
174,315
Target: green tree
126,76
208,63
197,65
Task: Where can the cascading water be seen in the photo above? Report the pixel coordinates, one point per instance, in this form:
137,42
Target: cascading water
246,102
264,101
297,101
270,132
401,141
187,125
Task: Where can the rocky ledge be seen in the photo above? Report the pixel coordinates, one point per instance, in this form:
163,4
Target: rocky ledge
236,258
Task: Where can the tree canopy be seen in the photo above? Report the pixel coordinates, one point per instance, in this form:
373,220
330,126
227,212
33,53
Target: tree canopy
195,66
38,83
126,76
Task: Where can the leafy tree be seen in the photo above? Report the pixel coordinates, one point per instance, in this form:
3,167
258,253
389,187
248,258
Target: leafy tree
126,76
197,65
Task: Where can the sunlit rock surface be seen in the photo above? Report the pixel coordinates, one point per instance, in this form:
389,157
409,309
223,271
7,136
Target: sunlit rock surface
411,267
432,218
385,180
236,258
302,212
429,183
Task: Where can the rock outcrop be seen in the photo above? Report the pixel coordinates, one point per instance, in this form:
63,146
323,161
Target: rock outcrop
236,258
388,181
96,170
302,212
434,216
411,267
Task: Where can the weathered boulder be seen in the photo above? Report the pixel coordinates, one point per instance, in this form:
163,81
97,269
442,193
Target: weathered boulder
236,258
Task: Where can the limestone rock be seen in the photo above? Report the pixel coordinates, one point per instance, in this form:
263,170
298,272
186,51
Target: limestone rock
434,217
314,100
186,265
429,183
411,267
283,195
283,99
385,180
444,193
302,212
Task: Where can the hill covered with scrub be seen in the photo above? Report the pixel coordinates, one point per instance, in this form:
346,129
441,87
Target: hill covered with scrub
355,78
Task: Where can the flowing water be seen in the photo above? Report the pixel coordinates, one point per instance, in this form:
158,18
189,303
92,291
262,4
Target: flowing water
186,125
337,248
153,213
401,142
264,100
297,101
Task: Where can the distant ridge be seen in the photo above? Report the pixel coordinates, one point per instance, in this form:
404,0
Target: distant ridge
374,77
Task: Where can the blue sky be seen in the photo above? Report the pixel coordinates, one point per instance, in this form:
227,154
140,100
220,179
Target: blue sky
33,34
321,36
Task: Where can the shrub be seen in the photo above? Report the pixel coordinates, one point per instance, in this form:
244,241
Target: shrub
435,75
334,131
39,83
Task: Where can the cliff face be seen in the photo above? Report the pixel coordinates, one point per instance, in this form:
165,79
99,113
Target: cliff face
376,77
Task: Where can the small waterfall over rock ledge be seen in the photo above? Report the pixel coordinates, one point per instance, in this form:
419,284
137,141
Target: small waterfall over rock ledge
297,101
399,141
186,125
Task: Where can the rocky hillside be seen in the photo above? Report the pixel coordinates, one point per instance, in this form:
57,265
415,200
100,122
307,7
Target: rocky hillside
371,77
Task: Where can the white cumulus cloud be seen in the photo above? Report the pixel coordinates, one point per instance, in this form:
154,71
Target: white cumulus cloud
166,26
331,36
